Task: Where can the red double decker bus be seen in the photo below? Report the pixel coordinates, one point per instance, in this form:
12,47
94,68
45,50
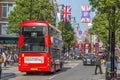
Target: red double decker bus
40,47
86,47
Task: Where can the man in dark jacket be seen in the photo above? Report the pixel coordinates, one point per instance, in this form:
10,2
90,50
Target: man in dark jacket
98,65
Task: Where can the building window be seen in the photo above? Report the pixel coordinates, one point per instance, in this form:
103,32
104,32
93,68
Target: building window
4,28
6,8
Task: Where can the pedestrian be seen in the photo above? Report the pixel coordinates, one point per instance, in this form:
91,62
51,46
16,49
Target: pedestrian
4,62
1,61
98,65
8,59
15,57
118,62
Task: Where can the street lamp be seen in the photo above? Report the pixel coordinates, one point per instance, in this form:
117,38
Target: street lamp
78,26
112,32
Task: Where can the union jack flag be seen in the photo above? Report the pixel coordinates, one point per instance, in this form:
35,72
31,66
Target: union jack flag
85,16
66,14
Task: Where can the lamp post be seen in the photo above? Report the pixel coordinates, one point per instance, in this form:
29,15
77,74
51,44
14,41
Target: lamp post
63,21
112,32
78,26
109,37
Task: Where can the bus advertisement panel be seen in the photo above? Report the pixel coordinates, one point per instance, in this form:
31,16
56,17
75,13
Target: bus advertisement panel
40,47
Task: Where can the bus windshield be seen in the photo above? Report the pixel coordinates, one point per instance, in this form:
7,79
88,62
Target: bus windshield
34,39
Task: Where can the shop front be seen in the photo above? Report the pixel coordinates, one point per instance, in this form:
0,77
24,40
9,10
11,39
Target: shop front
8,42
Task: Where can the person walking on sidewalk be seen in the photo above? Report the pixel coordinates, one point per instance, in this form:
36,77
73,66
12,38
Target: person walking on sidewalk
98,65
1,61
118,61
4,62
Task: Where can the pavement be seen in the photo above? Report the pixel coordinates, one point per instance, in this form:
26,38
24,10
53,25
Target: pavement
9,72
103,70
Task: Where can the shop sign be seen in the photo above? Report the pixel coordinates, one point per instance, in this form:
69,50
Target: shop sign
8,40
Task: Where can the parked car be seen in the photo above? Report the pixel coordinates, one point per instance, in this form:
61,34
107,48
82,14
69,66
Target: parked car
89,58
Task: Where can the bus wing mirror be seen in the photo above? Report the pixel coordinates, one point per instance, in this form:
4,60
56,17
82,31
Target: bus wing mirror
47,40
21,41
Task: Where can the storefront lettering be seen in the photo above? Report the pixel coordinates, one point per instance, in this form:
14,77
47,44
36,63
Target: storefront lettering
8,41
1,41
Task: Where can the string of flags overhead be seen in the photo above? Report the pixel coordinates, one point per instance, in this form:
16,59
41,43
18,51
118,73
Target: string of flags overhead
85,14
85,17
66,14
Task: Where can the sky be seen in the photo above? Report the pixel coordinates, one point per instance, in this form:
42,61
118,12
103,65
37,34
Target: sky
76,10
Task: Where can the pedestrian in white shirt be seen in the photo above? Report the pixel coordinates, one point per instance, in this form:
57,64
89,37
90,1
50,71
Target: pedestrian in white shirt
4,62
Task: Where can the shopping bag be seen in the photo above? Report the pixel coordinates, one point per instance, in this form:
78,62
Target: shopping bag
1,59
103,60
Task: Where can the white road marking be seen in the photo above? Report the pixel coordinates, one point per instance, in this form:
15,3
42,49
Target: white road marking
51,77
73,65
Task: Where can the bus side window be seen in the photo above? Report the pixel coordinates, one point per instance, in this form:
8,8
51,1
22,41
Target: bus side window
51,31
58,54
55,53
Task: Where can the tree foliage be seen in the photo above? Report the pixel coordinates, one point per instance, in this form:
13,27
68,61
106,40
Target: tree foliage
100,25
67,34
41,10
107,17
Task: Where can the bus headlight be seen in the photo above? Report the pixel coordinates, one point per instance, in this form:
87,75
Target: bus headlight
22,55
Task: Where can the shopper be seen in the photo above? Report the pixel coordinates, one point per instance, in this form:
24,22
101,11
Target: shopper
4,56
1,61
98,65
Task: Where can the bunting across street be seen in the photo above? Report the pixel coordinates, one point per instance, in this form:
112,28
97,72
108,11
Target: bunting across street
85,14
66,14
79,31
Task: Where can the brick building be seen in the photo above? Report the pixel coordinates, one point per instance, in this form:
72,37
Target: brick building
5,7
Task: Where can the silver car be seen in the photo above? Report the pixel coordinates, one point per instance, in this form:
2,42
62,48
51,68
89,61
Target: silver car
89,58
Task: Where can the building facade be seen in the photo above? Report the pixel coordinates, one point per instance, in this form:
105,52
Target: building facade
56,12
6,40
5,7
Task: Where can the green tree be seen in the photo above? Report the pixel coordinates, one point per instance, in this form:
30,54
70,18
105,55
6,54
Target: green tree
100,25
68,35
41,10
111,11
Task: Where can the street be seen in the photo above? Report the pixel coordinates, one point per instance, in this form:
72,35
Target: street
72,70
79,72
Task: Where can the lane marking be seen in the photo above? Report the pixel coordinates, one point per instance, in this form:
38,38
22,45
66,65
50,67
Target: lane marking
51,77
74,65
